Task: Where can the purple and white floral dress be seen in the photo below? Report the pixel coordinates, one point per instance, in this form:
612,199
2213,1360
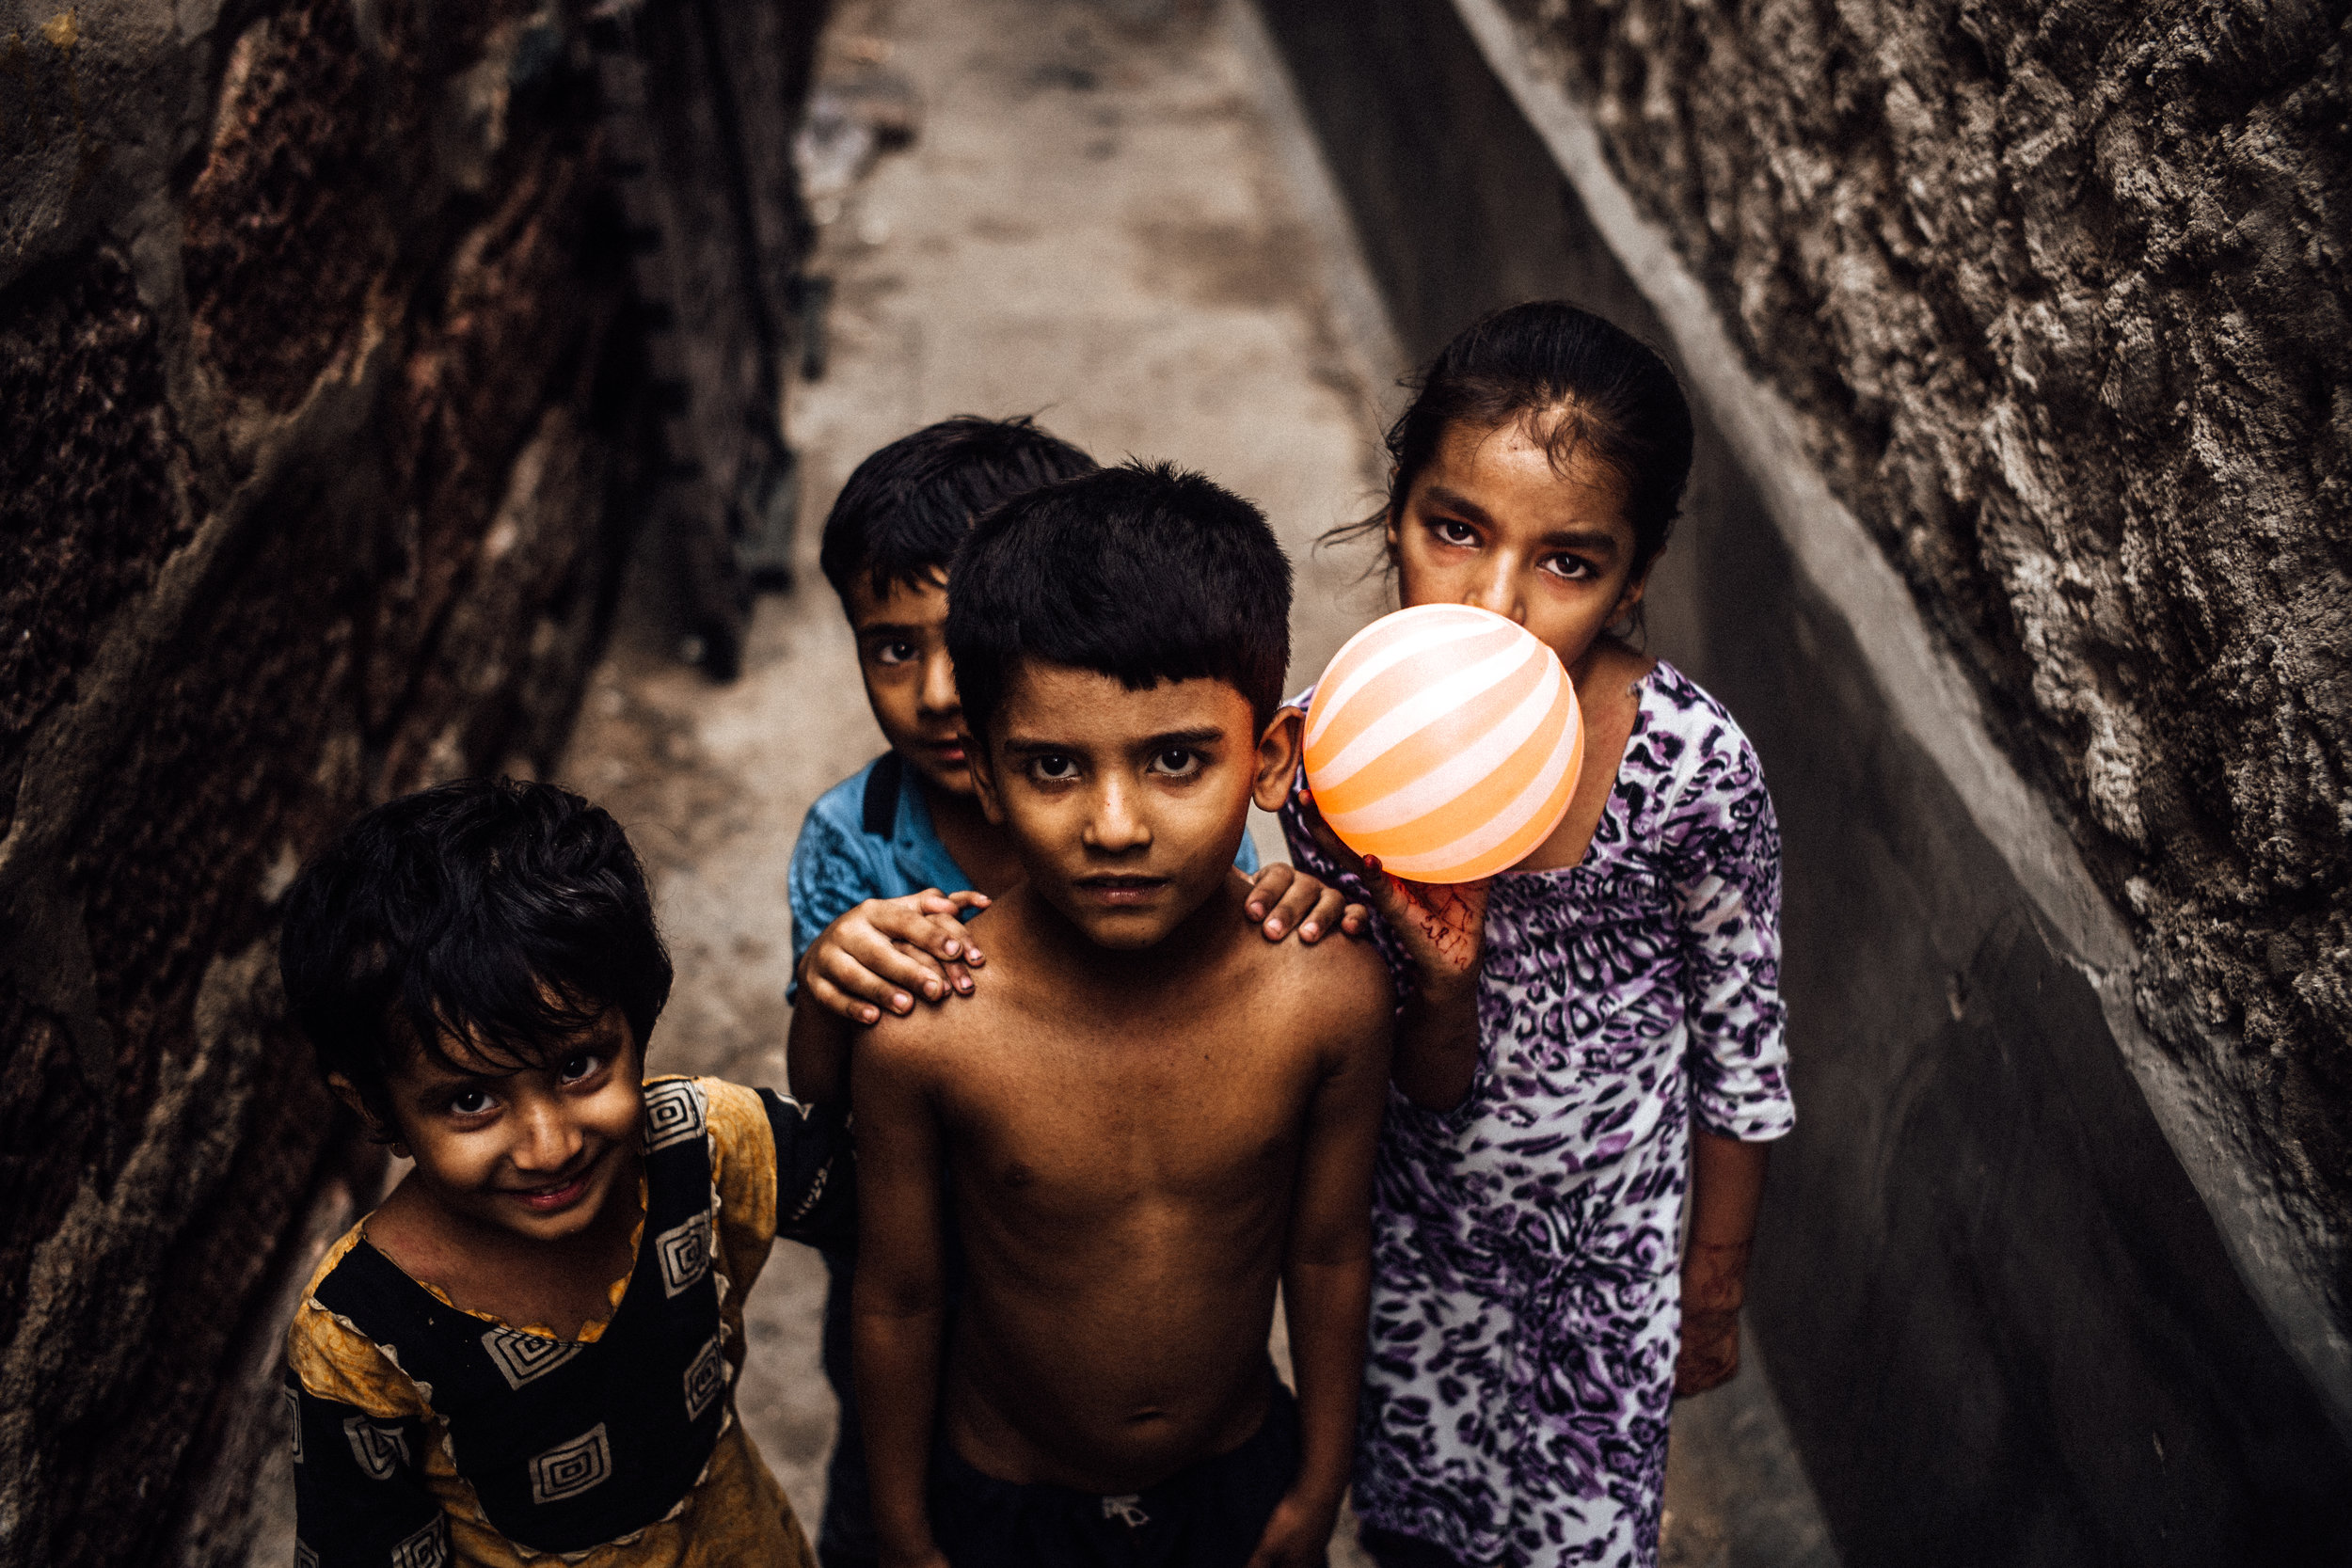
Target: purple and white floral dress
1526,1295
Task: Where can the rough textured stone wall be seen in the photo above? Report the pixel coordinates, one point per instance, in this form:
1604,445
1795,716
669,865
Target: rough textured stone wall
313,422
2059,293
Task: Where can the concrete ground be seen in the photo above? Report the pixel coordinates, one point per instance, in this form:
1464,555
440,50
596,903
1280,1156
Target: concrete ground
1111,217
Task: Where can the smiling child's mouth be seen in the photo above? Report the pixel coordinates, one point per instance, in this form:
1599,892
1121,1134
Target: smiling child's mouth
554,1199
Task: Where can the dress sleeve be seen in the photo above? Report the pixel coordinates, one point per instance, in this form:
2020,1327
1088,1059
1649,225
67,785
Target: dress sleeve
782,1168
1727,892
815,1177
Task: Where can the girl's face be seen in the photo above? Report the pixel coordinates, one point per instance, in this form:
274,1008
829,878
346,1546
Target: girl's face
1489,522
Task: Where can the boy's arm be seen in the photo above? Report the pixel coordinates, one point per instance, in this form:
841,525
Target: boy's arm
1326,1275
898,1301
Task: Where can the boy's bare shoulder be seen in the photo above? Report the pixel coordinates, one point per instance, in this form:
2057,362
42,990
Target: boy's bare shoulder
928,1041
1340,979
910,1048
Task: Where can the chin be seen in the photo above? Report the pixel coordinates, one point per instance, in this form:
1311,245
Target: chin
955,778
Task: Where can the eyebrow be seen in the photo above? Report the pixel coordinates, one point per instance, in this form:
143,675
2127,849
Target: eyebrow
1201,736
1585,539
1446,496
891,628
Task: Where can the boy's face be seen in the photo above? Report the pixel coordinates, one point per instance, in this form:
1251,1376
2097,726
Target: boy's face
537,1152
909,681
1126,806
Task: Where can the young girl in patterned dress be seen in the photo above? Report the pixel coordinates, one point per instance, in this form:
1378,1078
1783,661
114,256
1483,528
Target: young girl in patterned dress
1583,1037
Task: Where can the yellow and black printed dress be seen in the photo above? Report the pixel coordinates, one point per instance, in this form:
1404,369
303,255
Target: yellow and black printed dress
426,1435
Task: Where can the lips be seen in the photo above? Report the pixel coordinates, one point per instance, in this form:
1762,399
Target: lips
554,1201
1122,890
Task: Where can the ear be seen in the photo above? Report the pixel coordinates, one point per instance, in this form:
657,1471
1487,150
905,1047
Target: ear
1630,598
1278,751
348,1092
983,762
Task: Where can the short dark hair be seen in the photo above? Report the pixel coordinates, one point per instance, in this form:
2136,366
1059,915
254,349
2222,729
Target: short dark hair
1143,571
908,505
511,913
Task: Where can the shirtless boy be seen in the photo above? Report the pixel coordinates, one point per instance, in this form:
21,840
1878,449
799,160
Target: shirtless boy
1151,1115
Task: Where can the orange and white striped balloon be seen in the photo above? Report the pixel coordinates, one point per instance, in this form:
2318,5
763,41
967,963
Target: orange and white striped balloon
1446,740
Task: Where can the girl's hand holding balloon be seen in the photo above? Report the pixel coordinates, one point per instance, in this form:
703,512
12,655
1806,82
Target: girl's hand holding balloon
1443,928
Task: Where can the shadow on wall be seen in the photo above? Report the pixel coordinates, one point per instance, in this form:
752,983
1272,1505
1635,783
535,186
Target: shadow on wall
323,428
1999,1315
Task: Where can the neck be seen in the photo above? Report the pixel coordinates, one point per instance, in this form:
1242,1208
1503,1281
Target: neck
1079,958
950,812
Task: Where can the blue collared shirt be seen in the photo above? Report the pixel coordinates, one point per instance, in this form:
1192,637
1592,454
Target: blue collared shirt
871,836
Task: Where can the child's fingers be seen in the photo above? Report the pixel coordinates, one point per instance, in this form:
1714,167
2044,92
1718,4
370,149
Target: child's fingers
1325,839
1266,890
835,1000
938,933
866,963
1296,908
1354,919
1329,901
931,901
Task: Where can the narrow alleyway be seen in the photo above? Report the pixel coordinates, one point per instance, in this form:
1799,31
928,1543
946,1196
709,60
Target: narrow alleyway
1112,217
1101,222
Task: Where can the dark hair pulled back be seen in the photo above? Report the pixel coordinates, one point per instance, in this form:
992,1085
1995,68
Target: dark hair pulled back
1616,402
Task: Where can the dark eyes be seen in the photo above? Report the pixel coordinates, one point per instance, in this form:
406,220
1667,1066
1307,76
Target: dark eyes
1452,532
1176,763
893,652
1572,568
575,1069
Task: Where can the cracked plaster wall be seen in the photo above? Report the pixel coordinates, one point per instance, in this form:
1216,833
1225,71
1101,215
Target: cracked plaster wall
313,432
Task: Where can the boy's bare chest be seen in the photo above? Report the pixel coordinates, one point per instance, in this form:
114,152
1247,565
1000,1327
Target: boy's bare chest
1103,1117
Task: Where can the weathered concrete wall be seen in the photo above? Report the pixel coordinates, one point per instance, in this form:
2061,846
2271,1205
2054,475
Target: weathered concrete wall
2094,420
2059,296
311,433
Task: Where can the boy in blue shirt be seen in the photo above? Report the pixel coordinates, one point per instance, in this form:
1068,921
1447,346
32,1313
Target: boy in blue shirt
891,859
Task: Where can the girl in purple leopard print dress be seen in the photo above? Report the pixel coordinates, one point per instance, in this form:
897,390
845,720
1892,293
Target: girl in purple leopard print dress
1583,1037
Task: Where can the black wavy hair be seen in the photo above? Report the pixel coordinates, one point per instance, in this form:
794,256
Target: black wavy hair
1618,402
908,506
1143,571
510,915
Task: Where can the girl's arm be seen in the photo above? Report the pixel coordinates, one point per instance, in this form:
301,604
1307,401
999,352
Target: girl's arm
1728,884
1442,929
1726,1192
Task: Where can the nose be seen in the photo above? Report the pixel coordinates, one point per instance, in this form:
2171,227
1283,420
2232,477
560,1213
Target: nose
938,694
1116,826
1496,588
545,1139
